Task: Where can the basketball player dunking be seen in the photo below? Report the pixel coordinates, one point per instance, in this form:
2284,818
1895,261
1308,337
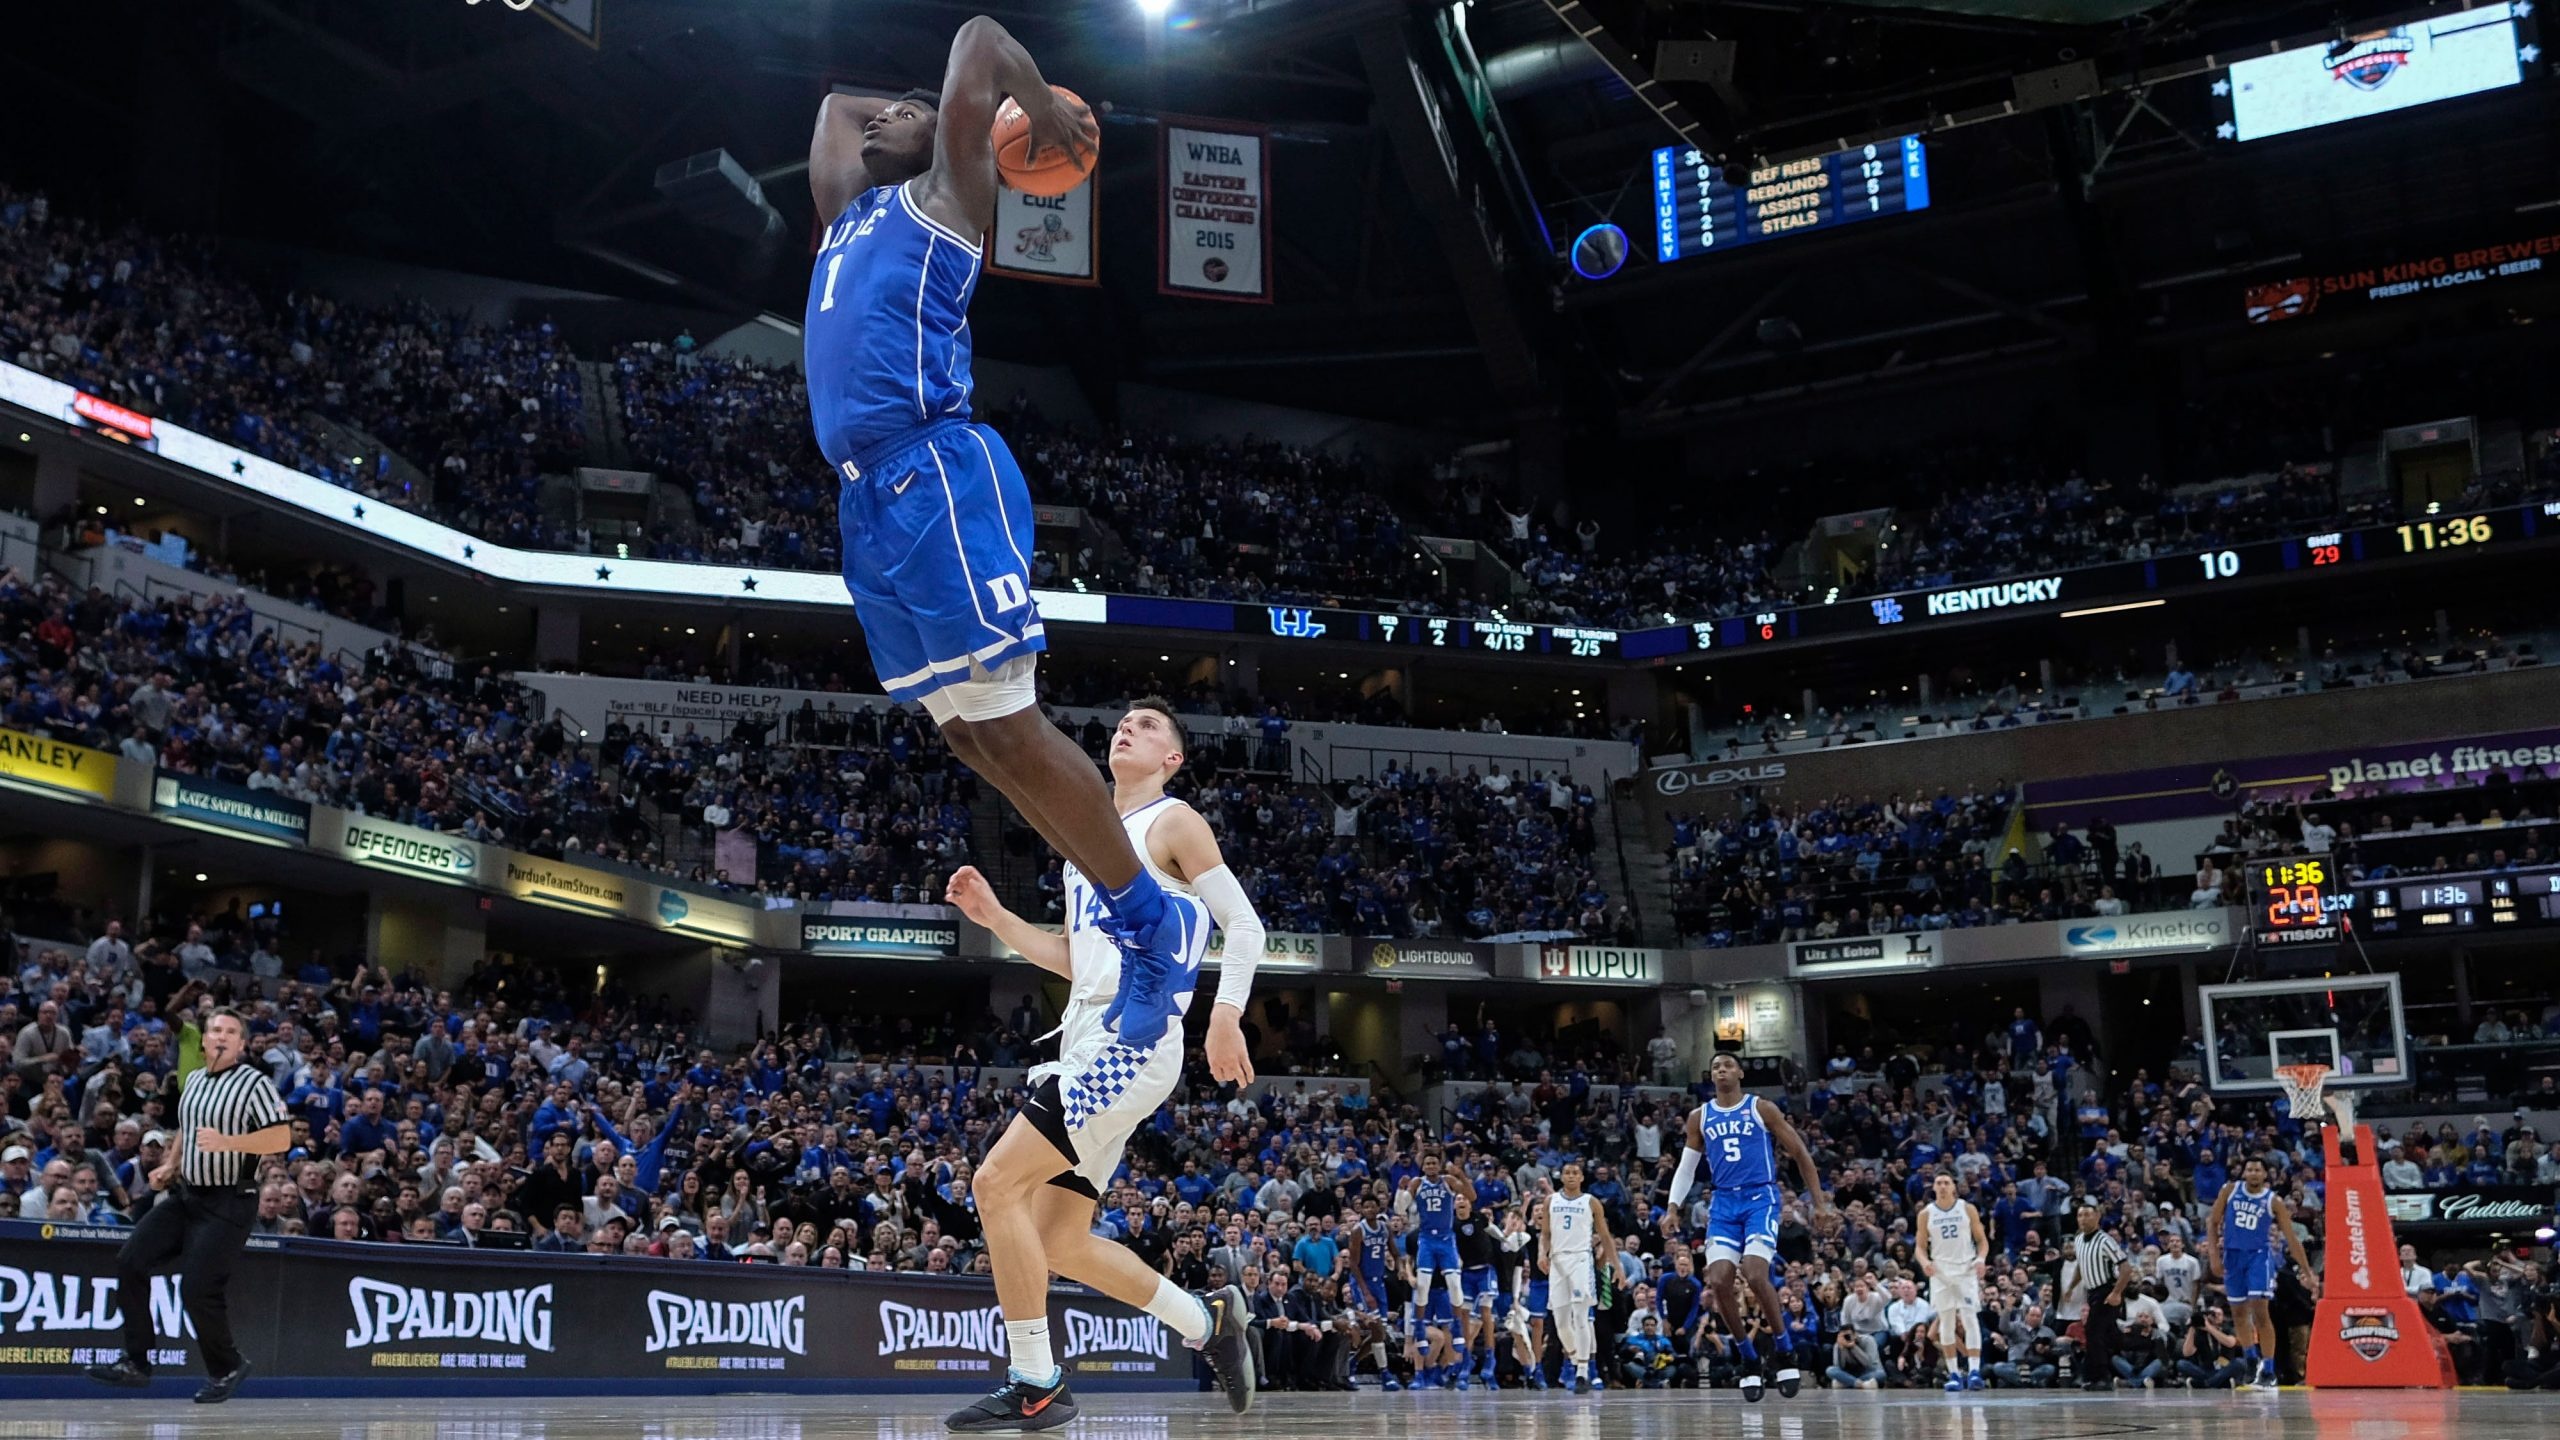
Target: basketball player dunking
1738,1136
1072,1130
1953,1245
937,538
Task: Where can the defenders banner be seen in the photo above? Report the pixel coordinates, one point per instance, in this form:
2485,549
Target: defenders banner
439,1314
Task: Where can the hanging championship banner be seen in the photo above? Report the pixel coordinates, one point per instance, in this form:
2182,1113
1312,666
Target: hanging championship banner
1044,237
1214,237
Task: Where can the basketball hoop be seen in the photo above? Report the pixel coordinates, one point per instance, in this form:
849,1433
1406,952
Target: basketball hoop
2302,1088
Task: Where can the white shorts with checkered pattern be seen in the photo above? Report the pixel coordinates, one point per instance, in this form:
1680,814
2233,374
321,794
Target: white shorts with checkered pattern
1107,1091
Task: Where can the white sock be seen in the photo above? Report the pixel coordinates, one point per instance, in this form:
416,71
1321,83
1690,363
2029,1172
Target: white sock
1028,1340
1180,1309
1973,1363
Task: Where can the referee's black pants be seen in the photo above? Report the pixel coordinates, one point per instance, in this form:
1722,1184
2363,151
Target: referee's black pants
200,1233
2103,1325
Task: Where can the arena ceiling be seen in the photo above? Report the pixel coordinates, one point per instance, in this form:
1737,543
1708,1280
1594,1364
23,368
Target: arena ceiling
468,136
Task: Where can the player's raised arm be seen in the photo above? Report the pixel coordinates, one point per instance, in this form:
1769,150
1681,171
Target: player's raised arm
1197,860
987,64
837,171
968,890
1784,1132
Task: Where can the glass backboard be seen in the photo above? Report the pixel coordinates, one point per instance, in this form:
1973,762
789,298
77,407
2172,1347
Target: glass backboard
2350,1023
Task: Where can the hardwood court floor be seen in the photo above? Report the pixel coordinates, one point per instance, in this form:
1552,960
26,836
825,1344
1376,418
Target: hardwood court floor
1617,1415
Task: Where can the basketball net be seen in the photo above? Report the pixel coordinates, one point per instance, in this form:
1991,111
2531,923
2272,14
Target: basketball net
2305,1090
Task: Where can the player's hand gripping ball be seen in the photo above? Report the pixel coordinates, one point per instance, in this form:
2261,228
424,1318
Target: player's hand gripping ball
1049,152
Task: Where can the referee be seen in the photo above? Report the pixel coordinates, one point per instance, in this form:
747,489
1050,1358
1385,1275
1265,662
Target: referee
229,1115
2100,1261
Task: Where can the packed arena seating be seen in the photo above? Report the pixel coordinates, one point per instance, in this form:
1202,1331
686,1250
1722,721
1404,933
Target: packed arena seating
1775,871
510,1114
1414,853
486,411
2106,691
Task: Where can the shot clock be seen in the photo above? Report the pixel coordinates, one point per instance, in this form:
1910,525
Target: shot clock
2289,900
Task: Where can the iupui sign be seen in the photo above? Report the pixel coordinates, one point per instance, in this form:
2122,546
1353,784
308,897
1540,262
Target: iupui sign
1599,964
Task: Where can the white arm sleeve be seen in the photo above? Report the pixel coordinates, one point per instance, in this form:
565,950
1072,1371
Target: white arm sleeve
1684,1177
1234,914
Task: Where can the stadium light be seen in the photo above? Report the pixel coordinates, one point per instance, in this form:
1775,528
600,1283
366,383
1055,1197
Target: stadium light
1154,9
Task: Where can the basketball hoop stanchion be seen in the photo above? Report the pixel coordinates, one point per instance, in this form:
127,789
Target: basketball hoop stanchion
2368,1333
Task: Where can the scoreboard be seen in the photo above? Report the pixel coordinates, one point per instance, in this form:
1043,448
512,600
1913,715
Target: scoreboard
2291,900
1696,209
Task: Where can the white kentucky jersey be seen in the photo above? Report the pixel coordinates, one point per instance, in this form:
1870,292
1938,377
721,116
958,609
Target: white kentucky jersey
1094,961
1949,1235
1571,1215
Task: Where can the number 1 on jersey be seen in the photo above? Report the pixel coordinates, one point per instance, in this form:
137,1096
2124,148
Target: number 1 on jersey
827,301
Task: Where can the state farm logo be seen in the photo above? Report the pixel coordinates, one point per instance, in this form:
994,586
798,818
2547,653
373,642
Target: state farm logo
2356,1256
678,1322
2369,1330
1115,1334
904,1328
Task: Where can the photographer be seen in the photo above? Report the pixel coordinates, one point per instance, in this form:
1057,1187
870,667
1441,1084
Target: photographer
2033,1352
2209,1354
1644,1358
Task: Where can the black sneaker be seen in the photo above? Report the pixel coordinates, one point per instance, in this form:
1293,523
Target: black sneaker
223,1387
1230,1356
123,1374
1018,1405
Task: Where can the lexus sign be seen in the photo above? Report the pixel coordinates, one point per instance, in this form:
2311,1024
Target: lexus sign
1599,964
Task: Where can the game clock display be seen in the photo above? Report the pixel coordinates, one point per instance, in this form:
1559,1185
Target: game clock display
2289,900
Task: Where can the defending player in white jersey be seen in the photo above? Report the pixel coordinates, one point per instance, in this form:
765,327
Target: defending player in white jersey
1952,1247
1575,1232
1060,1151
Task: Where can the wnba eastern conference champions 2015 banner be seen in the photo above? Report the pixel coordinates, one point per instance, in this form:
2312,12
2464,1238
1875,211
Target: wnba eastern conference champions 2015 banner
1044,237
1214,237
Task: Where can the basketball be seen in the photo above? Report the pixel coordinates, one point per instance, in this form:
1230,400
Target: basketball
1053,171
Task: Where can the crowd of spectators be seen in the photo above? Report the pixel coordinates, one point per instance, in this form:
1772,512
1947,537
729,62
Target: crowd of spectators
514,1113
161,325
168,326
1414,853
1773,871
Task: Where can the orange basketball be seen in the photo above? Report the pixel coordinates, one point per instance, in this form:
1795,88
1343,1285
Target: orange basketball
1054,171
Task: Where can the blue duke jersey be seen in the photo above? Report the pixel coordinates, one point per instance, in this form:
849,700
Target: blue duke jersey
1435,1206
2250,1223
1373,1249
887,330
1739,1152
1742,1178
934,514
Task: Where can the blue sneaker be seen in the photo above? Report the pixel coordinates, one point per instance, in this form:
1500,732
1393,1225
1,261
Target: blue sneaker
1142,1009
1975,1381
1389,1384
1538,1378
1466,1380
1954,1383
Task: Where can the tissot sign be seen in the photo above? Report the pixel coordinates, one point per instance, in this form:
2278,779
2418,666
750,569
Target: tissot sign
1599,964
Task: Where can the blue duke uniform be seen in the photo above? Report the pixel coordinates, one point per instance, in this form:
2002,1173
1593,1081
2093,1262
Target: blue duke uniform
935,517
1369,1277
1742,1177
1436,1230
2248,1244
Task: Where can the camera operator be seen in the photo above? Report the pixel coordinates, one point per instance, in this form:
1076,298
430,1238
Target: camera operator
2506,1283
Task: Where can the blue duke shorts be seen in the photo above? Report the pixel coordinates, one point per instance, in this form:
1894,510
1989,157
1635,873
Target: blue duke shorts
937,553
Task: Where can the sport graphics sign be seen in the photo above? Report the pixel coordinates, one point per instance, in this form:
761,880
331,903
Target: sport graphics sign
847,935
414,1318
1214,235
1599,964
194,800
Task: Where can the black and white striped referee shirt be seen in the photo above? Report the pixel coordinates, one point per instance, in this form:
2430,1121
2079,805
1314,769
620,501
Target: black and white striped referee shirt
238,1100
2098,1255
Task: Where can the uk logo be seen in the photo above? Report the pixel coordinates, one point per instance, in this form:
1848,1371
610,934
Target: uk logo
1295,624
2369,1330
1887,612
2369,61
